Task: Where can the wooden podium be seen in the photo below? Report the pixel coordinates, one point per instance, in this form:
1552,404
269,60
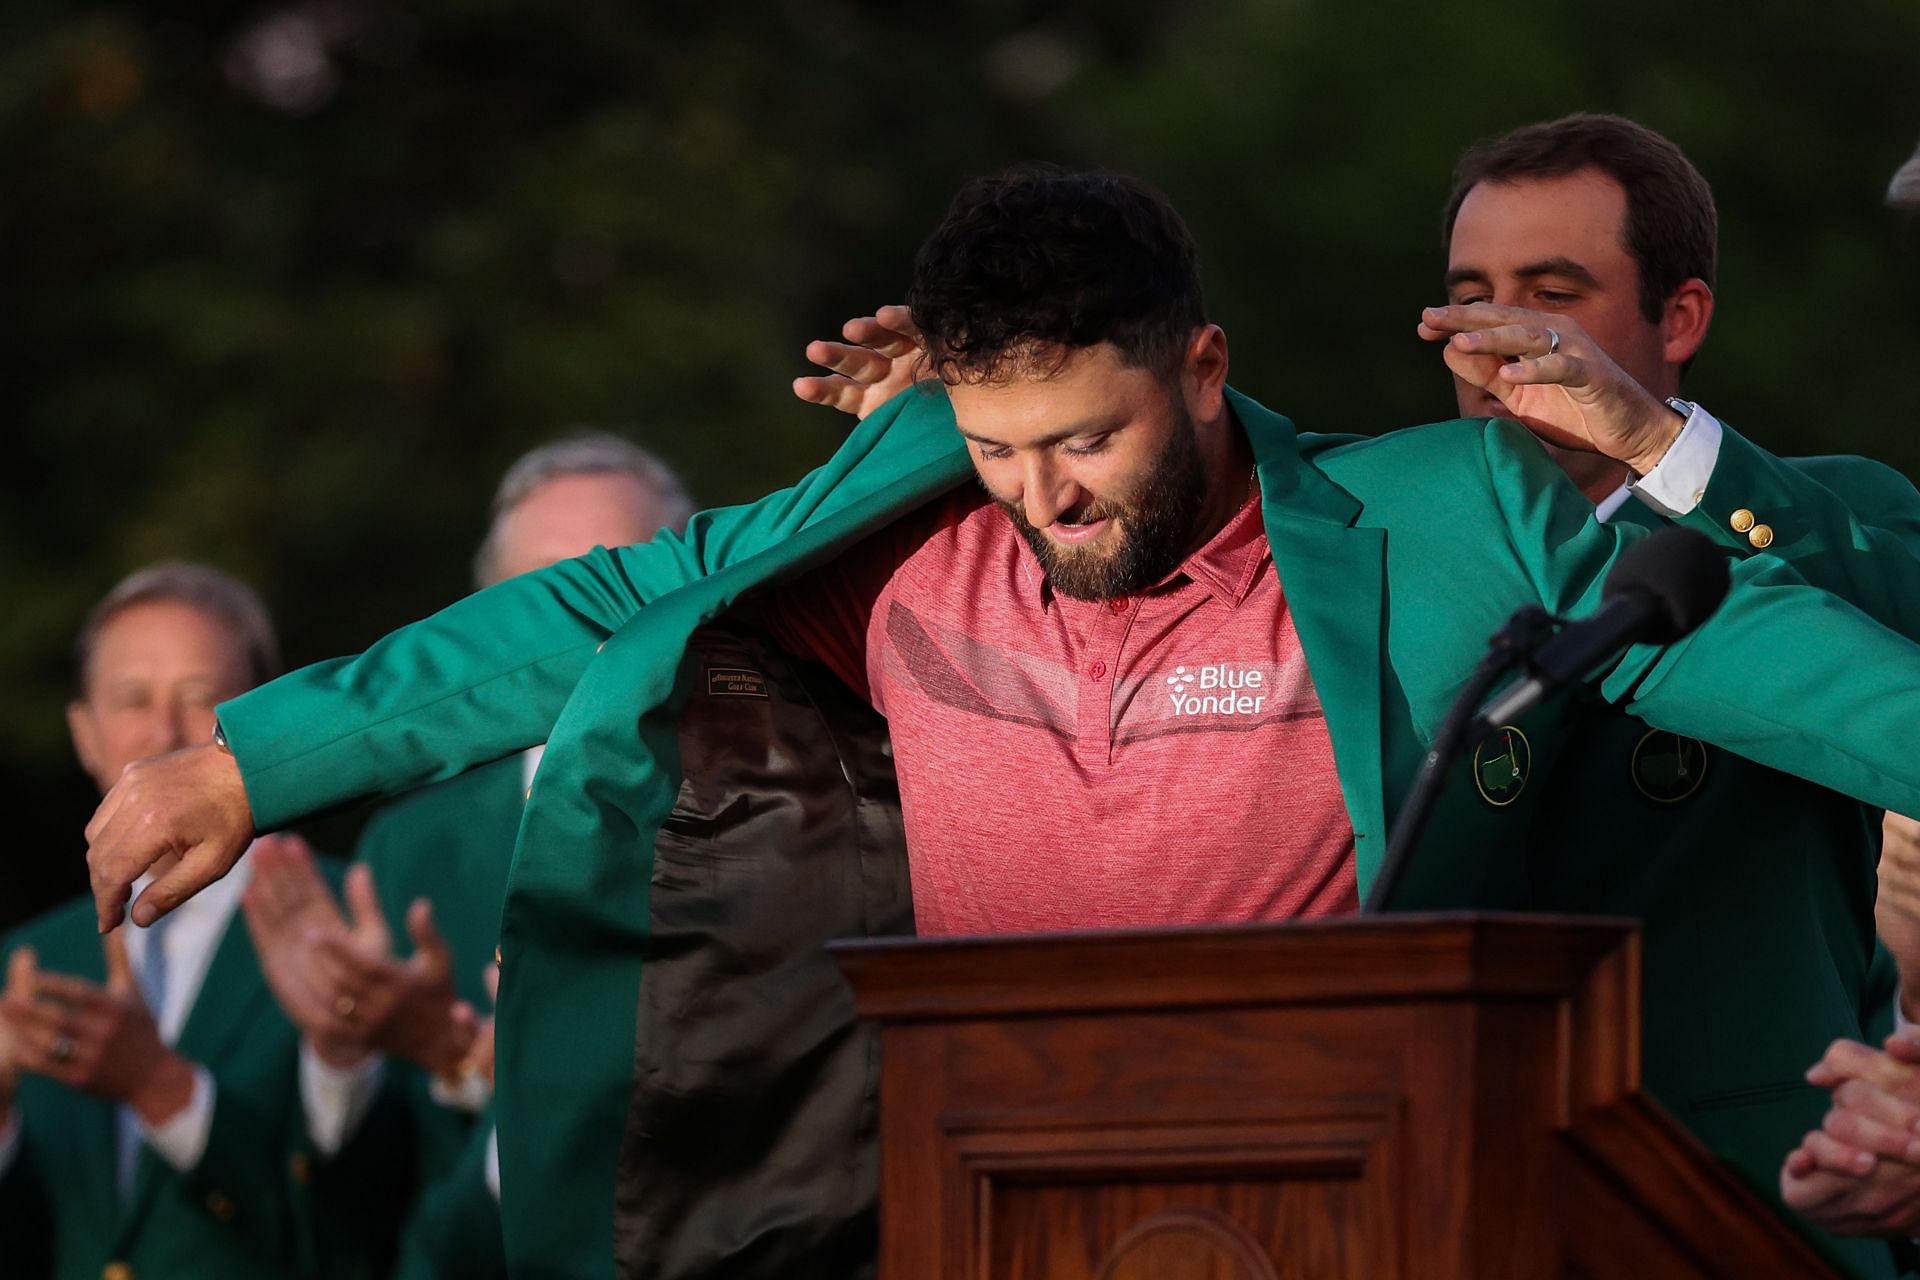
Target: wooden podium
1434,1097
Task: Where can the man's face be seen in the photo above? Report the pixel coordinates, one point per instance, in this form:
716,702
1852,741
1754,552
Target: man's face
1557,245
156,673
1096,464
569,516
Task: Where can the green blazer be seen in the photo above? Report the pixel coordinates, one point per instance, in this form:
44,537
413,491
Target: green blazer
232,1214
1705,847
450,843
1400,554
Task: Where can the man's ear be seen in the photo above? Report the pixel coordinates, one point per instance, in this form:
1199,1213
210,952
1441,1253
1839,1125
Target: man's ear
1684,321
1204,373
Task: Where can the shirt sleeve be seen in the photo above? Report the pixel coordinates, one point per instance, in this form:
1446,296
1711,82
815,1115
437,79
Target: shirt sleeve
493,1164
181,1139
470,1092
336,1099
1679,480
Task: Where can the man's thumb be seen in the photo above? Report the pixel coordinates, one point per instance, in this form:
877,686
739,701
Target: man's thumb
428,944
363,899
119,969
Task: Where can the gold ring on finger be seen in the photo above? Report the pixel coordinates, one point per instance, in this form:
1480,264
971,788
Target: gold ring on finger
1553,343
344,1006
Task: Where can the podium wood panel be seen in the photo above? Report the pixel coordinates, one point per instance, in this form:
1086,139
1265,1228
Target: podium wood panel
1389,1097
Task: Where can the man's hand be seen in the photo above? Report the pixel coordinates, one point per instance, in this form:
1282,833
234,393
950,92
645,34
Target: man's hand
286,903
191,803
10,1054
881,357
1577,397
1859,1173
408,1007
338,977
99,1040
1896,911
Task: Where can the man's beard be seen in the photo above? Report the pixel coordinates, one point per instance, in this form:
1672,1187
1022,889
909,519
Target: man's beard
1156,523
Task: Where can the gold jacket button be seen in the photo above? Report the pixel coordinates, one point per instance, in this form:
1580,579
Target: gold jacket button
220,1207
116,1271
1741,520
1761,536
298,1169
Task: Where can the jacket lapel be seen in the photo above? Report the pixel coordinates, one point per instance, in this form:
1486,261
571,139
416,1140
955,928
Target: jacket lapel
1334,578
227,1002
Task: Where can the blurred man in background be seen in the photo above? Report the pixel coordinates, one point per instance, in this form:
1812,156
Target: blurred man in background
149,1113
433,867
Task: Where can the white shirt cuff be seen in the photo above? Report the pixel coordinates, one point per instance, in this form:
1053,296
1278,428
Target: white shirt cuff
336,1099
493,1164
10,1138
470,1092
181,1139
1900,1023
1678,481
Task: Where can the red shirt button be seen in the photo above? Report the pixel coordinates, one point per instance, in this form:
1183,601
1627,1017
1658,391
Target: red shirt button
1097,670
1120,605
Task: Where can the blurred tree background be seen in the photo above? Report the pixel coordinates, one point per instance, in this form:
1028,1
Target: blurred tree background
289,284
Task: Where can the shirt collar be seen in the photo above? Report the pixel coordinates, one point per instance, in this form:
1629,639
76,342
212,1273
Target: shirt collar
1227,565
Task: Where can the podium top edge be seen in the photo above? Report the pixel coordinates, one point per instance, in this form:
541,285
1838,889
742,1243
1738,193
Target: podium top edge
1350,958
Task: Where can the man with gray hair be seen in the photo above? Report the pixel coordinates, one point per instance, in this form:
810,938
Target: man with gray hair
433,867
563,499
147,1085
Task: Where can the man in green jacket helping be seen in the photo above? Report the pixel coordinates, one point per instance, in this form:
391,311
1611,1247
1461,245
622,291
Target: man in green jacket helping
1219,648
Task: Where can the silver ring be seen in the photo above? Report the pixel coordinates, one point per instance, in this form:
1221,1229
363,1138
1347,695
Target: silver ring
63,1049
1553,343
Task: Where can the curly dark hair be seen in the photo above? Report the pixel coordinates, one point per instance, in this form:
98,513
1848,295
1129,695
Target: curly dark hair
1030,265
1672,230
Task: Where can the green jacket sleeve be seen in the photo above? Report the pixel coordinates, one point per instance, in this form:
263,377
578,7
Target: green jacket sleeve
1783,673
455,1232
1847,525
490,674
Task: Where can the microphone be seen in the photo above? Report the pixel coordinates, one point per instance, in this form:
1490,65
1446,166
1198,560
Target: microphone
1661,590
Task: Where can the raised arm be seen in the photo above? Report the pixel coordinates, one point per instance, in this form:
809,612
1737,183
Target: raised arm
481,678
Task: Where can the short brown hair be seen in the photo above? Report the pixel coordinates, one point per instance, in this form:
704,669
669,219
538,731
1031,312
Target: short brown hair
1040,261
202,586
1672,232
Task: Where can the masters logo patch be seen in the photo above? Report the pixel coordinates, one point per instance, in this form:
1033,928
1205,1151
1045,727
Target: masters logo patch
1668,768
736,682
1501,764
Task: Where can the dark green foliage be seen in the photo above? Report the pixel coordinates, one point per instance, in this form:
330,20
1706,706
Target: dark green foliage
302,340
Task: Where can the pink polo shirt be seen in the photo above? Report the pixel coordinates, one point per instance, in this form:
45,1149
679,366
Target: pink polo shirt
1064,764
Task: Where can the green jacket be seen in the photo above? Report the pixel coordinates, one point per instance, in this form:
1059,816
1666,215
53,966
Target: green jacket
1702,845
447,1221
1401,556
233,1214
